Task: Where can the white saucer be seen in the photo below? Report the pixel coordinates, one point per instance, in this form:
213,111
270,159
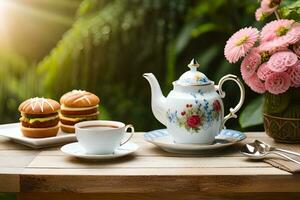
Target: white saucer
74,149
13,132
163,140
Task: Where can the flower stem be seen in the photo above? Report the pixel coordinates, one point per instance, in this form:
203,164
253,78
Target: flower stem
277,14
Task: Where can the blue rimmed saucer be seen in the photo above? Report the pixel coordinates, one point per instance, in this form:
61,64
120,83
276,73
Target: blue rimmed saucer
163,140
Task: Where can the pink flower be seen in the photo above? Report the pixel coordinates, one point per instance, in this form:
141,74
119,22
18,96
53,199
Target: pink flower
277,83
274,49
272,30
294,73
280,61
267,7
240,43
194,121
250,63
296,48
279,34
255,83
260,14
263,71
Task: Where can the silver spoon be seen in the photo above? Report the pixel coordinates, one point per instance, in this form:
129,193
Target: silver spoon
259,150
271,148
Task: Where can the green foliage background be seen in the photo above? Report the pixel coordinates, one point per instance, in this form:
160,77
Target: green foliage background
112,43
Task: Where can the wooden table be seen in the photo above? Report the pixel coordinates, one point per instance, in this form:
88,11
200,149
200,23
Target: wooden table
149,174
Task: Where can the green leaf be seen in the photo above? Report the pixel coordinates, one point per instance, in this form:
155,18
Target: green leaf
184,37
252,114
291,10
204,28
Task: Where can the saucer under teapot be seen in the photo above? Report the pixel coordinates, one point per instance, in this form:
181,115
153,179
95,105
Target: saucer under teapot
193,111
162,139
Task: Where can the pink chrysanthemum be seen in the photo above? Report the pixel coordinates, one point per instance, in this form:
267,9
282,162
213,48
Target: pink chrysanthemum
273,29
267,8
255,83
250,63
279,34
261,14
264,71
296,48
294,73
240,43
280,61
277,83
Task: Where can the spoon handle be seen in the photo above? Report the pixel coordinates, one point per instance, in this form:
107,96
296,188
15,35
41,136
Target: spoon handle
287,151
287,157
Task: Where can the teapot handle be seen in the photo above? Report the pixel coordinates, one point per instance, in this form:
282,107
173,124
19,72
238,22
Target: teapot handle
232,111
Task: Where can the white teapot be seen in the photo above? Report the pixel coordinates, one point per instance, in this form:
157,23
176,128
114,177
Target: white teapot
193,112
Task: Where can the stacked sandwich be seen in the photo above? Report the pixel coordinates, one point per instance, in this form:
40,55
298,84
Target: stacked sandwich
39,117
77,106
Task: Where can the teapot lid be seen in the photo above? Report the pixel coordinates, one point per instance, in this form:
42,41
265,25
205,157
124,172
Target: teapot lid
193,77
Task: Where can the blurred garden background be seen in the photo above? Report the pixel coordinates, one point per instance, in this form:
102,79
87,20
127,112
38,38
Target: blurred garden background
49,47
104,46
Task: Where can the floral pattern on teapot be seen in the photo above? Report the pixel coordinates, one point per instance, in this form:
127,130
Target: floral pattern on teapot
195,118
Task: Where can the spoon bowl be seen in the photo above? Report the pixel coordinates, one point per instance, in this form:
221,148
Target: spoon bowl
259,150
254,150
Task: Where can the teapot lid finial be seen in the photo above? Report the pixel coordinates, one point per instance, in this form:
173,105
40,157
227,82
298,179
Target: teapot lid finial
193,64
193,77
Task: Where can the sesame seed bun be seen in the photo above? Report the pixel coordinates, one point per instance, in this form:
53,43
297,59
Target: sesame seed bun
39,106
79,98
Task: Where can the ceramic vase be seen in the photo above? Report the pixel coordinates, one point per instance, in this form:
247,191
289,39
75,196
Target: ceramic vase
282,116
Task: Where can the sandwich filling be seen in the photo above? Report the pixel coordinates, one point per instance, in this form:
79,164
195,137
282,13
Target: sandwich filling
73,119
39,121
64,107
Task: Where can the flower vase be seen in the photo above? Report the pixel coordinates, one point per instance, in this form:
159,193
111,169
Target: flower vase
282,116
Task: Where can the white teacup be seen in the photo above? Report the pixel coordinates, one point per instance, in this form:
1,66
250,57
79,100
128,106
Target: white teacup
101,136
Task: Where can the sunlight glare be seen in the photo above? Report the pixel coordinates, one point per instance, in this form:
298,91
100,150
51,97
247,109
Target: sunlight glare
3,22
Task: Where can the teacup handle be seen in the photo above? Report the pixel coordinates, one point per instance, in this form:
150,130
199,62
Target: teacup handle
129,126
232,111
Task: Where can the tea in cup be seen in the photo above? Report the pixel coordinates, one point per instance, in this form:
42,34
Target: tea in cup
102,136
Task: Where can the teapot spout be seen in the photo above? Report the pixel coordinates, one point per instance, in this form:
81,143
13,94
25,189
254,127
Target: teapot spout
158,100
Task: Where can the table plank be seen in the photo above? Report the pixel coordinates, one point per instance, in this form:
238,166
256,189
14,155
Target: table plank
12,164
10,179
145,162
16,158
147,149
165,196
161,183
154,172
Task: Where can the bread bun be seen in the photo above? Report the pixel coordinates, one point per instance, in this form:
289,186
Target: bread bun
67,128
40,132
79,98
39,106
